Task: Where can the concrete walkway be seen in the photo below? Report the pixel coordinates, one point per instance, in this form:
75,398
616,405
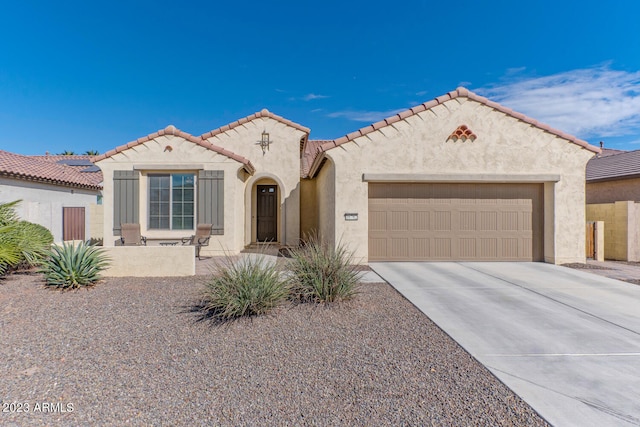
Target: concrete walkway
567,341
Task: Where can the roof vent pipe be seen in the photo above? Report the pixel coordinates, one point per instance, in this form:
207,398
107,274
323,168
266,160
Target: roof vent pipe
601,145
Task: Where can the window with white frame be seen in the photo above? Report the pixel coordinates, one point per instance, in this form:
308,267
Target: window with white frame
171,201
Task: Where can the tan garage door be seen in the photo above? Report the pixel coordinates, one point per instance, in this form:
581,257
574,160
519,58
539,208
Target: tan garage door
450,222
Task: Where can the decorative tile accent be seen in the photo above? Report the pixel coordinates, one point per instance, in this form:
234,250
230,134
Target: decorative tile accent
463,133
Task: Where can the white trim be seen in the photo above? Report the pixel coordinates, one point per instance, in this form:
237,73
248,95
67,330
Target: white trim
444,178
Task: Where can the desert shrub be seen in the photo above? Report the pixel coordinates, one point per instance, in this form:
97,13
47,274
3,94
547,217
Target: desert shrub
244,286
33,241
22,243
73,266
9,250
322,273
8,213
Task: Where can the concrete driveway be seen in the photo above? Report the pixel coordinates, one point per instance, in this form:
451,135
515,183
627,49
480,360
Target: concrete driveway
566,341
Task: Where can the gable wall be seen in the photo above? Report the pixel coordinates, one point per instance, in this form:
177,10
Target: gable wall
505,145
280,163
186,157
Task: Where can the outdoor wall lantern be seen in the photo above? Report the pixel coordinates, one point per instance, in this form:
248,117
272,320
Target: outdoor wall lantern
264,142
351,216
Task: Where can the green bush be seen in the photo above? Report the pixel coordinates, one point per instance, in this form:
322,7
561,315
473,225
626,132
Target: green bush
321,273
9,250
22,243
33,241
245,286
73,266
8,213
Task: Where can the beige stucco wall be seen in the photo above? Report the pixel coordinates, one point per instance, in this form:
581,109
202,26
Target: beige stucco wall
612,191
621,228
43,203
96,221
326,196
308,208
281,163
150,261
184,157
504,145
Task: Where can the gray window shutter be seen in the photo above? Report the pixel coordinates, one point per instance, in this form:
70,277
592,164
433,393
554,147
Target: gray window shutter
211,200
126,199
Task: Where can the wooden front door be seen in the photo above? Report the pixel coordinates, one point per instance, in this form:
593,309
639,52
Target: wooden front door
73,224
267,217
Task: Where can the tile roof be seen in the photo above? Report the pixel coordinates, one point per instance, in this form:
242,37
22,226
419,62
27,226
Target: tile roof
172,130
459,92
614,166
35,168
610,151
310,151
81,163
263,113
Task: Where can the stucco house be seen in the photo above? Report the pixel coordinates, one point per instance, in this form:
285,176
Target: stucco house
456,178
60,193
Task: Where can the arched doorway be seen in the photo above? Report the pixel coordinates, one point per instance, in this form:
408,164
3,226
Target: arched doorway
267,212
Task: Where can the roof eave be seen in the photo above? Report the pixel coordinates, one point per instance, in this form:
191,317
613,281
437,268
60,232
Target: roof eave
33,178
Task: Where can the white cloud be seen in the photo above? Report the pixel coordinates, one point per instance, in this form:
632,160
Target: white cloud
586,103
364,116
312,96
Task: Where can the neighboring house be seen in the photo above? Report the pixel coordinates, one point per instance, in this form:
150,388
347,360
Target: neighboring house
613,193
456,178
58,192
615,177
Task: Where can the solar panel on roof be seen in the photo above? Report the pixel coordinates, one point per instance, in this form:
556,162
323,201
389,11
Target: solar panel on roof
92,168
75,162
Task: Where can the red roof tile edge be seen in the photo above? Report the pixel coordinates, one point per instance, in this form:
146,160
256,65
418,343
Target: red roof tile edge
459,92
172,130
263,113
12,166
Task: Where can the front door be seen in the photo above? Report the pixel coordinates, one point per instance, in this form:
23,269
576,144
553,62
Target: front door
267,213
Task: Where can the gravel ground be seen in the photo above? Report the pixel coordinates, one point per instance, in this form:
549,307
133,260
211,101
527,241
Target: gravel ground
134,351
584,266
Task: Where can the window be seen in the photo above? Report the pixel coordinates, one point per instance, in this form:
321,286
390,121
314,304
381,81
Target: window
171,202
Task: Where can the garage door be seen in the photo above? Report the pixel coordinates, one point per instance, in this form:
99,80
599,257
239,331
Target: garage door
455,222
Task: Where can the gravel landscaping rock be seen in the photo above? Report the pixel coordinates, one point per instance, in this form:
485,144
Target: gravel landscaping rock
136,351
585,266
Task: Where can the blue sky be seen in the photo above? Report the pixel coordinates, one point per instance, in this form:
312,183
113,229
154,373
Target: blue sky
94,75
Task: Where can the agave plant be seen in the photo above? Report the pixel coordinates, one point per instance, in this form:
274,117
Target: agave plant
72,266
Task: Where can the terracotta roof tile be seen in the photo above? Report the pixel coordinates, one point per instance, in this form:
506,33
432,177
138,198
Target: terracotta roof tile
459,92
81,163
263,113
34,168
463,133
172,130
310,151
